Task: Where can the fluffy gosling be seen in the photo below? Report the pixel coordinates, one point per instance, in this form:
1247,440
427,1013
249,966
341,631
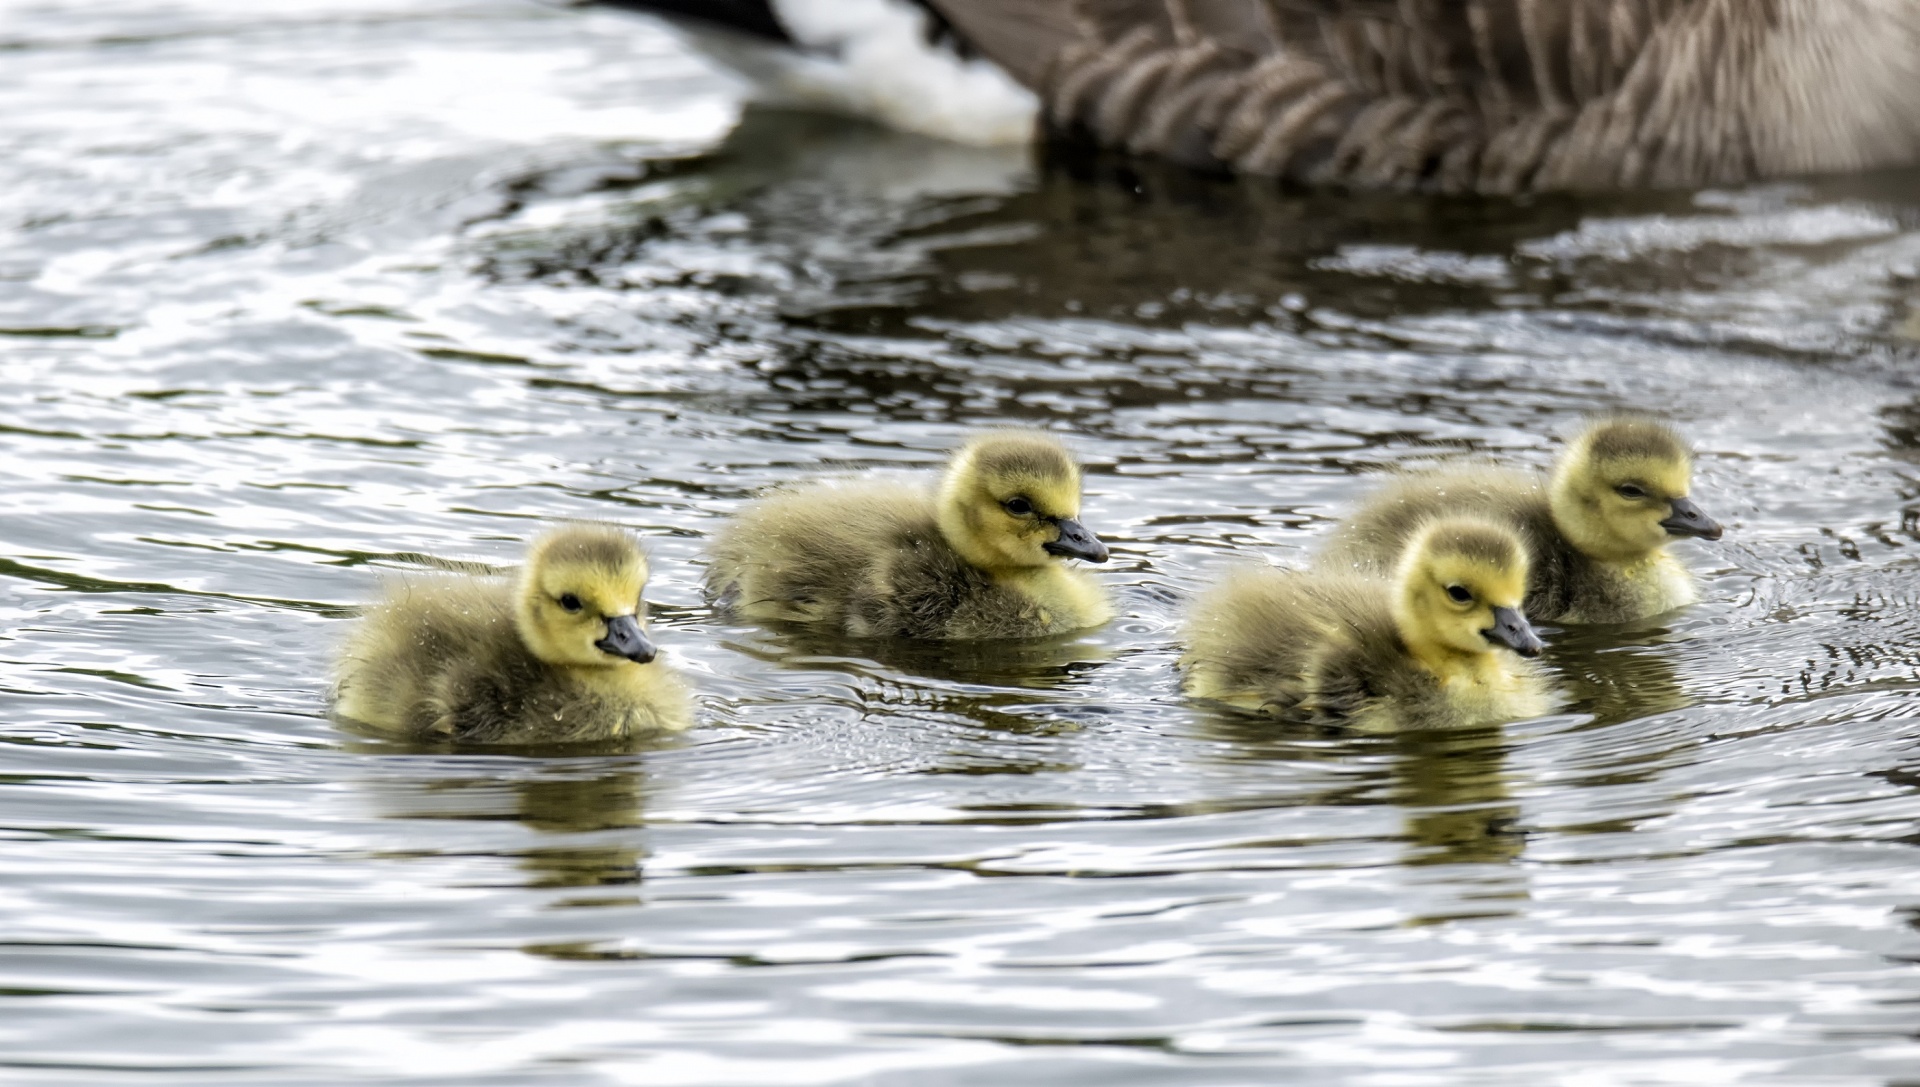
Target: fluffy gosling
980,556
1597,527
1427,647
557,653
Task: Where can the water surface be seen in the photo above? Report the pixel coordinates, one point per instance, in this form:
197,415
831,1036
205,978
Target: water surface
287,296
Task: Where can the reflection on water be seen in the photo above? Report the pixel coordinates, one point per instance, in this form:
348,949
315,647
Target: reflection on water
1038,663
596,803
564,807
293,294
1618,673
1454,787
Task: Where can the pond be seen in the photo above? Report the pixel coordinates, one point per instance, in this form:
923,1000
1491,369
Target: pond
289,297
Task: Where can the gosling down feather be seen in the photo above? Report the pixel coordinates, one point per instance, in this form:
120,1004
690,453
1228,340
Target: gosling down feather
1433,645
1491,96
558,652
1597,527
982,555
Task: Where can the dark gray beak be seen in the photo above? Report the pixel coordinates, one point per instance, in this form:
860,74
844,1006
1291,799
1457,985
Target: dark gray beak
1510,628
1076,542
626,639
1688,520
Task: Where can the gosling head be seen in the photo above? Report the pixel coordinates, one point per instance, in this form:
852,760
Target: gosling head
579,600
1619,491
1461,586
1011,500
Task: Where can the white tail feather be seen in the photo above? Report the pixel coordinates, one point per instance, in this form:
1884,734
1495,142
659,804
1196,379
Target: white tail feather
872,59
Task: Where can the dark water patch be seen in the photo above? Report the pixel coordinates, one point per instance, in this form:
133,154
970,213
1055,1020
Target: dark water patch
85,332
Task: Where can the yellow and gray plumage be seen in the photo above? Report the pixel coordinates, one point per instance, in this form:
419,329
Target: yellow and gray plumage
980,556
1597,526
1426,646
556,652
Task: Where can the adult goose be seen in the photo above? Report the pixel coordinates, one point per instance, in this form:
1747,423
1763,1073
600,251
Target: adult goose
1492,96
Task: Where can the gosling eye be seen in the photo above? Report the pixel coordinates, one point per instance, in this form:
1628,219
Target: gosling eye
1459,594
570,602
1018,505
1630,490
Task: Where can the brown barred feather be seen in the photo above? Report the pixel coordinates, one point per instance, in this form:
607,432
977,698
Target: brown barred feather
1486,95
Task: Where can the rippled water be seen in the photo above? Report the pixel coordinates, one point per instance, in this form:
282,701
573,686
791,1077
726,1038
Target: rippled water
288,293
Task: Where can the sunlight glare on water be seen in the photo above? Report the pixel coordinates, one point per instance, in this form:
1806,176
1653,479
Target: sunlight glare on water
289,294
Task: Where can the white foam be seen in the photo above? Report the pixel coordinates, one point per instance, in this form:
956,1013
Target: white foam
871,58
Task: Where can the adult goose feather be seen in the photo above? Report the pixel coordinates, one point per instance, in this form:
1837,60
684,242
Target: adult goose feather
1491,96
1477,95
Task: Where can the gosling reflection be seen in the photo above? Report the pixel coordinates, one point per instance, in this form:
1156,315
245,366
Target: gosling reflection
1029,663
1453,785
569,811
567,807
1612,675
1013,691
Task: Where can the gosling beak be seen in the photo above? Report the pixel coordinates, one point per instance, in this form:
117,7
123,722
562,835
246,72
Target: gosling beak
626,639
1510,629
1076,542
1688,520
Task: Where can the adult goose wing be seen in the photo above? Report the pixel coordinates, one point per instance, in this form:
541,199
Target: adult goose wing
1474,95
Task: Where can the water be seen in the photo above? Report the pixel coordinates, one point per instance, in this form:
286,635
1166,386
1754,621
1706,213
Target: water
287,295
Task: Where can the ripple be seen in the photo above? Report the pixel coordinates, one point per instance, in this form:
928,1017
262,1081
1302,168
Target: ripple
380,287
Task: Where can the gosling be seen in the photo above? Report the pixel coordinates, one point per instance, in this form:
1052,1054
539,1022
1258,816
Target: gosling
1425,648
1597,527
981,556
557,653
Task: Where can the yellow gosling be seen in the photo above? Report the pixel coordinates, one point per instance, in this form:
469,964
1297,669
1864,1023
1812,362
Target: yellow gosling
557,653
984,555
1432,646
1598,526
